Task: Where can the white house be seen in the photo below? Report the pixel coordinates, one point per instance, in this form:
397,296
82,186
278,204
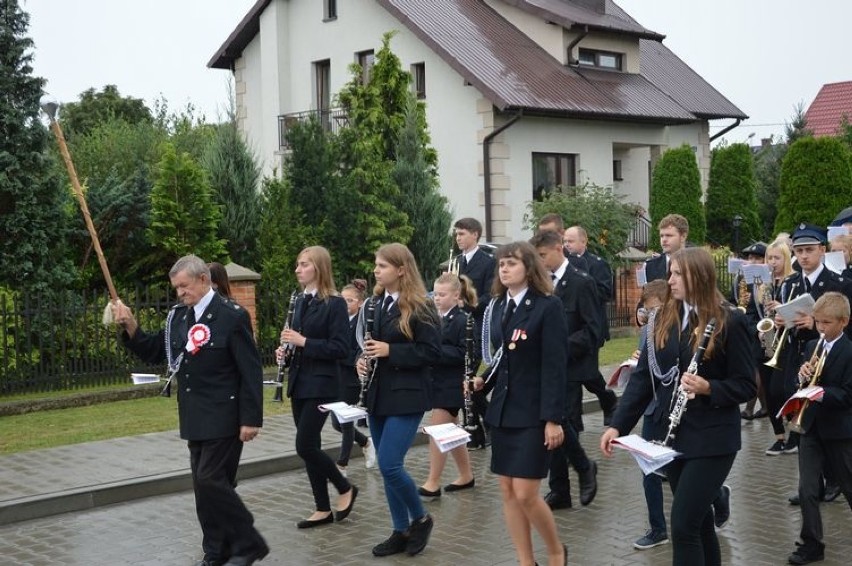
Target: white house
521,95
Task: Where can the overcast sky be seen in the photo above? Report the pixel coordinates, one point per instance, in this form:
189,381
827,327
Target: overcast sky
763,55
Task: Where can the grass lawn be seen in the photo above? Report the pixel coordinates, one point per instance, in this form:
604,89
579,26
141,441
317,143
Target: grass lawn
46,429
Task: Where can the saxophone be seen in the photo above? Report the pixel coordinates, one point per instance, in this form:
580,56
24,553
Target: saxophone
742,293
766,326
681,397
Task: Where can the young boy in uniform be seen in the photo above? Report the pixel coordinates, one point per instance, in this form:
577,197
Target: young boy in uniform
826,438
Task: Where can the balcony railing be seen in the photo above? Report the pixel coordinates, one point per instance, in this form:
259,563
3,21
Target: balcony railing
332,120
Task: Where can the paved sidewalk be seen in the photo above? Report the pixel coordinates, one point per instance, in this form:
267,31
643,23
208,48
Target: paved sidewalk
144,528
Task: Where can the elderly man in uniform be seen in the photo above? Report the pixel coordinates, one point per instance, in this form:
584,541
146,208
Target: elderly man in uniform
211,353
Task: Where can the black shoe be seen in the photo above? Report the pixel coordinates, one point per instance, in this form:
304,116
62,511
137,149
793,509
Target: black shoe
395,544
451,487
342,514
745,415
722,507
832,491
589,484
794,499
418,535
806,554
210,561
309,524
556,501
761,414
423,492
250,558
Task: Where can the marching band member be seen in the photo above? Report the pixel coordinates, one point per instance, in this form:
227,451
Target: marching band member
448,375
320,337
350,384
404,343
529,333
708,437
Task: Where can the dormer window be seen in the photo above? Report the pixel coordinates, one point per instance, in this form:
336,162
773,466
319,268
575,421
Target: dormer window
601,59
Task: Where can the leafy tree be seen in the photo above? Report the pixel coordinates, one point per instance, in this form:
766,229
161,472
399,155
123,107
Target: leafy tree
94,108
602,213
731,192
816,182
676,189
33,222
184,216
234,176
427,209
281,234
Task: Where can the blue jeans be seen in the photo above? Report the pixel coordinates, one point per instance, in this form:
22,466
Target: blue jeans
653,485
392,437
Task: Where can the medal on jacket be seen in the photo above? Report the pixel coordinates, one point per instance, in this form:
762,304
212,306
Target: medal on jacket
518,334
198,336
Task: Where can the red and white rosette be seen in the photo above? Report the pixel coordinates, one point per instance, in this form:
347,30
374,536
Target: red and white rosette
198,336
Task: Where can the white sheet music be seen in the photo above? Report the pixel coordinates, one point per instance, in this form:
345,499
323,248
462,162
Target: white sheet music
752,271
791,309
735,264
344,412
447,436
835,261
143,378
834,231
649,455
641,277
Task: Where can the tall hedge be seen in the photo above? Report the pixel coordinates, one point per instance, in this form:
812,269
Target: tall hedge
676,189
732,192
816,183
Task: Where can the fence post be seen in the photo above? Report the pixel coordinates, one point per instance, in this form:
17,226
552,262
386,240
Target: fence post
243,288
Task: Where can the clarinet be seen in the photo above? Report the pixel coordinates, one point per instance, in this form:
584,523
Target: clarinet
287,355
469,374
681,397
369,326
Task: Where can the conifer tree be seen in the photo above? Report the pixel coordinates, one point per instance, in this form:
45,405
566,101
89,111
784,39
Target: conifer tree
676,189
33,223
184,217
730,193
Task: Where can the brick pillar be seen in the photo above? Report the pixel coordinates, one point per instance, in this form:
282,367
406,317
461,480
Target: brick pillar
243,283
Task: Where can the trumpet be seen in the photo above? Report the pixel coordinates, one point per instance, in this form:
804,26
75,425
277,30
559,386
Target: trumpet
778,345
453,264
817,362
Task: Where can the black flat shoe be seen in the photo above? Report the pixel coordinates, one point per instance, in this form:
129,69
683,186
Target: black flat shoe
451,487
340,515
423,492
309,524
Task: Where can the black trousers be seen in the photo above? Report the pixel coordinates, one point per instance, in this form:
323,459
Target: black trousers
570,451
349,433
695,483
817,456
319,465
606,397
226,525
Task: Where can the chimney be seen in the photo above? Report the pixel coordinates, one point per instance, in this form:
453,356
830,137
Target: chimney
598,6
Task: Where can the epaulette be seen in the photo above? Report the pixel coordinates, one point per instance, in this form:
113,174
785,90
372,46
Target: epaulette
176,305
791,276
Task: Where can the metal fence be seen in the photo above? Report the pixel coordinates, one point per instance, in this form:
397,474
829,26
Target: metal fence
60,344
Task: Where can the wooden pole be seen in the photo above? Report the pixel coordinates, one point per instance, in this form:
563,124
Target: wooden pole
81,198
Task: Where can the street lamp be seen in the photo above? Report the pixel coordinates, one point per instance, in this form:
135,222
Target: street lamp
738,220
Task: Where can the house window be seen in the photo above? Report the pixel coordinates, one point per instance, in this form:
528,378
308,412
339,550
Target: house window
551,170
330,10
322,91
366,59
616,170
601,59
418,79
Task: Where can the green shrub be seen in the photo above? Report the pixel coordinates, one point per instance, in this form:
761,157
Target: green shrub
676,189
730,193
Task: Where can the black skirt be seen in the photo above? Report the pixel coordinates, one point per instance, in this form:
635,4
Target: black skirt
519,452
